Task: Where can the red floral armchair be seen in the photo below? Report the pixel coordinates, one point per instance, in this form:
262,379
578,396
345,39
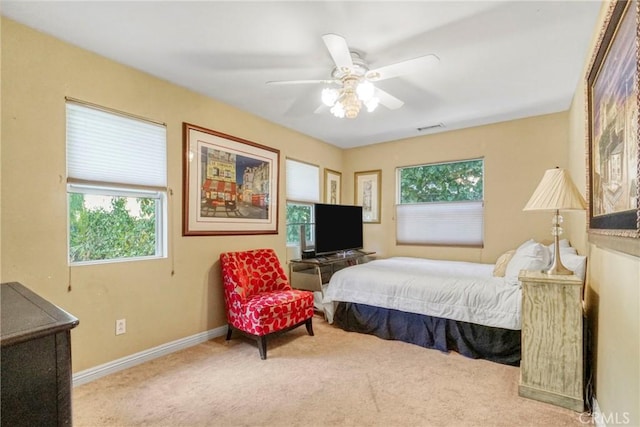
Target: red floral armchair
258,297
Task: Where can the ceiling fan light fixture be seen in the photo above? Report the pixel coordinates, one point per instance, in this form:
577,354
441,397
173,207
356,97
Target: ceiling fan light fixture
372,104
373,76
365,91
338,110
351,113
329,96
350,102
355,80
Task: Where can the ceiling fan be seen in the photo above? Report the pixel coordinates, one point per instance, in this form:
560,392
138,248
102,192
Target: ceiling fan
354,79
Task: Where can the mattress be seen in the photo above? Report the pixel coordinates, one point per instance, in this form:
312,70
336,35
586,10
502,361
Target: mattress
456,290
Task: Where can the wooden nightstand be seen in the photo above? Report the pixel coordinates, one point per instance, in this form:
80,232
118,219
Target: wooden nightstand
552,363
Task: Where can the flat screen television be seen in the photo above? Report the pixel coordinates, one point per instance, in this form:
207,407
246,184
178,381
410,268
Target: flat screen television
337,228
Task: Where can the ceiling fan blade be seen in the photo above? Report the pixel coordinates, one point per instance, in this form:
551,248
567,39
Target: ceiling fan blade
403,67
321,109
388,100
298,82
339,51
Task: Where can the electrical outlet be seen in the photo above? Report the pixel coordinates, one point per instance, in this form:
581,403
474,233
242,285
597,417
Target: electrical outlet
121,326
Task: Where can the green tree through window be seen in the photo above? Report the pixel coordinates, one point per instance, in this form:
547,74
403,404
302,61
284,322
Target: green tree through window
441,204
443,182
299,214
111,232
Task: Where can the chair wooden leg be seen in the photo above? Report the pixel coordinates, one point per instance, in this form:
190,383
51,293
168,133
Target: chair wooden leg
229,331
262,346
309,326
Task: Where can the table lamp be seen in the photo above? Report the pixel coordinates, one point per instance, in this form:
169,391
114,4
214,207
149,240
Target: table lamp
556,192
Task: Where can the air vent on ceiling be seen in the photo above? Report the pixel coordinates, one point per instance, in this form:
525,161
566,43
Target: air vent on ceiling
431,127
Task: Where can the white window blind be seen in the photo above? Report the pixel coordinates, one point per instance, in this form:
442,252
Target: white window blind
109,148
440,223
303,181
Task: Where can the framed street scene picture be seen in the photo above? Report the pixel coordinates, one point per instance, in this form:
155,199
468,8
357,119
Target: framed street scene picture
230,185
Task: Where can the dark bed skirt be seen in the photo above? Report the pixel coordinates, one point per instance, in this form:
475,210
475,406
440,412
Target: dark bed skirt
469,339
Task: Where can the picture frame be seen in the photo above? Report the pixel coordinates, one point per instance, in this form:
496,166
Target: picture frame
230,184
332,187
367,194
613,134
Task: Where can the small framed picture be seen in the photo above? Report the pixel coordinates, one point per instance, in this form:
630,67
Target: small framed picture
332,187
367,194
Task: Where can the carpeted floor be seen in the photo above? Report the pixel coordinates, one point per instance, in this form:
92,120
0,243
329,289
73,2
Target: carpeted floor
335,378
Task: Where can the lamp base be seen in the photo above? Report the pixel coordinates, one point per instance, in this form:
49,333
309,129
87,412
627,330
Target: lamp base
557,268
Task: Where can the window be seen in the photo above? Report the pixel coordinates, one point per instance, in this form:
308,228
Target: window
303,191
441,204
116,186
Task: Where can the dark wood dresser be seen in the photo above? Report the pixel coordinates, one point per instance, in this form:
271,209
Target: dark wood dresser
35,383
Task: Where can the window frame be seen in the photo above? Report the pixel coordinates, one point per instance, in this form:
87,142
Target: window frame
461,209
301,199
310,232
160,218
159,193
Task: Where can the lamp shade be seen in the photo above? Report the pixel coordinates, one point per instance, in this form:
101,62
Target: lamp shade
556,191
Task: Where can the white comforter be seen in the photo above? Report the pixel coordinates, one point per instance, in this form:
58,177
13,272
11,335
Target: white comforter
455,290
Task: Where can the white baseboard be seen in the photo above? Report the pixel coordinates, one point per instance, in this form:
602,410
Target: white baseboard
597,415
96,372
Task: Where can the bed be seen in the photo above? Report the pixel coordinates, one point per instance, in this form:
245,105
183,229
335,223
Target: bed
470,308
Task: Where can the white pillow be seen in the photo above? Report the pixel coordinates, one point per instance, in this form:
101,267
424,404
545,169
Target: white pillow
575,263
529,256
564,247
525,244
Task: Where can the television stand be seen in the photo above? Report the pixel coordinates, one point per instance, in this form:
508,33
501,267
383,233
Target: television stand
350,254
312,273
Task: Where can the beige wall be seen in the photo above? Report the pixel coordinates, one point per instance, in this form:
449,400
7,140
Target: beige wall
516,154
613,290
38,72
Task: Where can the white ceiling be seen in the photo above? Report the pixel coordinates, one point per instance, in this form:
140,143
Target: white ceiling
498,60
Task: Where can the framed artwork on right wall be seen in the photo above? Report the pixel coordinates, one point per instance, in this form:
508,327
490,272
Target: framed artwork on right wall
613,135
